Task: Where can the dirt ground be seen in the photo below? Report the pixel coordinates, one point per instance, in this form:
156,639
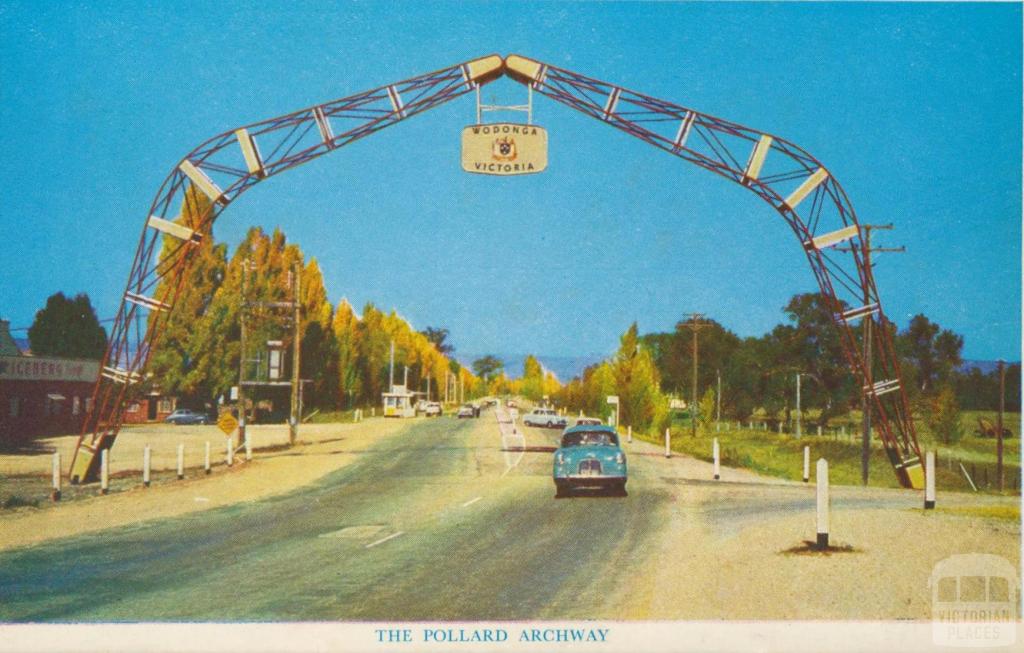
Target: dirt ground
322,449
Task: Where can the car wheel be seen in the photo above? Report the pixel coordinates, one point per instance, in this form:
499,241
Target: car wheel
550,424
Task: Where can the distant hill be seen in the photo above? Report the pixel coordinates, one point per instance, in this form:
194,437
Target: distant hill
986,367
564,367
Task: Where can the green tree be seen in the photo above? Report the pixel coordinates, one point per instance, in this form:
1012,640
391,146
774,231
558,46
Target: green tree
346,333
943,417
533,378
68,328
706,410
930,354
439,338
487,367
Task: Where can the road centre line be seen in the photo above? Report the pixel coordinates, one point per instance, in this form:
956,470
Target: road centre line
385,539
471,502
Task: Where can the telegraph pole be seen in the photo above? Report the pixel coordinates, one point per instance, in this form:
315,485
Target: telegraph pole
241,355
865,403
718,399
798,430
293,429
695,324
999,425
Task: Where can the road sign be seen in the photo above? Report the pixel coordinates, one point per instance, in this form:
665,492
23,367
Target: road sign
227,423
504,149
613,399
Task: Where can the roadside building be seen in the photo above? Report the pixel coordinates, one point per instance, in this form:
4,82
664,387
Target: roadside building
41,395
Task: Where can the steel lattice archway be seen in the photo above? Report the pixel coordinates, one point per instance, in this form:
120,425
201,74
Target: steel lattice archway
778,171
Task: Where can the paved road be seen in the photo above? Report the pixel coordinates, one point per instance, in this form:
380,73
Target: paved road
432,523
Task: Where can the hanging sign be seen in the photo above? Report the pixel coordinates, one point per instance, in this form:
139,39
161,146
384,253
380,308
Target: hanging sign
504,149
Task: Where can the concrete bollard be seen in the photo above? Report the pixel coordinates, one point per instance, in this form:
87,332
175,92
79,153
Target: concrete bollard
104,471
230,457
581,413
929,480
146,456
823,503
206,458
819,430
181,461
807,464
629,434
248,448
668,443
714,453
55,493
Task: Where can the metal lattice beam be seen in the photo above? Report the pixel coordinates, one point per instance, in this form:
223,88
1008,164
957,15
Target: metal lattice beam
221,169
788,178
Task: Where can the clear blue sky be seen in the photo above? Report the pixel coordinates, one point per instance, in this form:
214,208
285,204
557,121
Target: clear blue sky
915,108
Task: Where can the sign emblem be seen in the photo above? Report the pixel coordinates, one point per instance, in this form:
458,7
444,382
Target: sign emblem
504,149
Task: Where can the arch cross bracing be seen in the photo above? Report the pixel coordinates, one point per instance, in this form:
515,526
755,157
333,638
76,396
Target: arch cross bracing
779,172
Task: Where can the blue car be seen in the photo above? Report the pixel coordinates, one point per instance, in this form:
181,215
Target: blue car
590,457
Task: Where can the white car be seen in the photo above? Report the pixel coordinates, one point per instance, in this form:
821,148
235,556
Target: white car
432,409
588,421
546,417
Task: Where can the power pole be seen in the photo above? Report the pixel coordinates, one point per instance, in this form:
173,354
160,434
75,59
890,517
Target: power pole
293,428
798,433
999,425
695,324
718,399
391,369
241,355
865,404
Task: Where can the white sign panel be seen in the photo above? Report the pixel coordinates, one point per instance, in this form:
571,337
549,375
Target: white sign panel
613,399
504,149
39,368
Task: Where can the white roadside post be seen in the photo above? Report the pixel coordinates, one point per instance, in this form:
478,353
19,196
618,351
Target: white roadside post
714,452
819,430
629,434
206,458
807,464
181,461
104,471
248,448
823,503
230,452
668,443
146,456
929,480
55,494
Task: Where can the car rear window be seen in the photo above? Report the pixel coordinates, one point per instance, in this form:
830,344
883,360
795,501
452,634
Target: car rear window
585,438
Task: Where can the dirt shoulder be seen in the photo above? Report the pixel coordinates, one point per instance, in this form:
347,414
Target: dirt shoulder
324,448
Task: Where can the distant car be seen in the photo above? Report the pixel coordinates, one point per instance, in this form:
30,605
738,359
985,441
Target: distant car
588,421
432,409
510,403
466,411
546,417
589,456
187,416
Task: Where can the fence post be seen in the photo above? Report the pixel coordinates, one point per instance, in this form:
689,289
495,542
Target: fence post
55,494
629,434
780,426
248,447
929,480
181,461
230,452
668,444
104,471
714,453
823,503
819,430
206,459
146,455
807,464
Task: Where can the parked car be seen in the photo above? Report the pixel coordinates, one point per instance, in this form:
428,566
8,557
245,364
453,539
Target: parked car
432,409
187,416
546,417
511,403
589,456
466,411
588,421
